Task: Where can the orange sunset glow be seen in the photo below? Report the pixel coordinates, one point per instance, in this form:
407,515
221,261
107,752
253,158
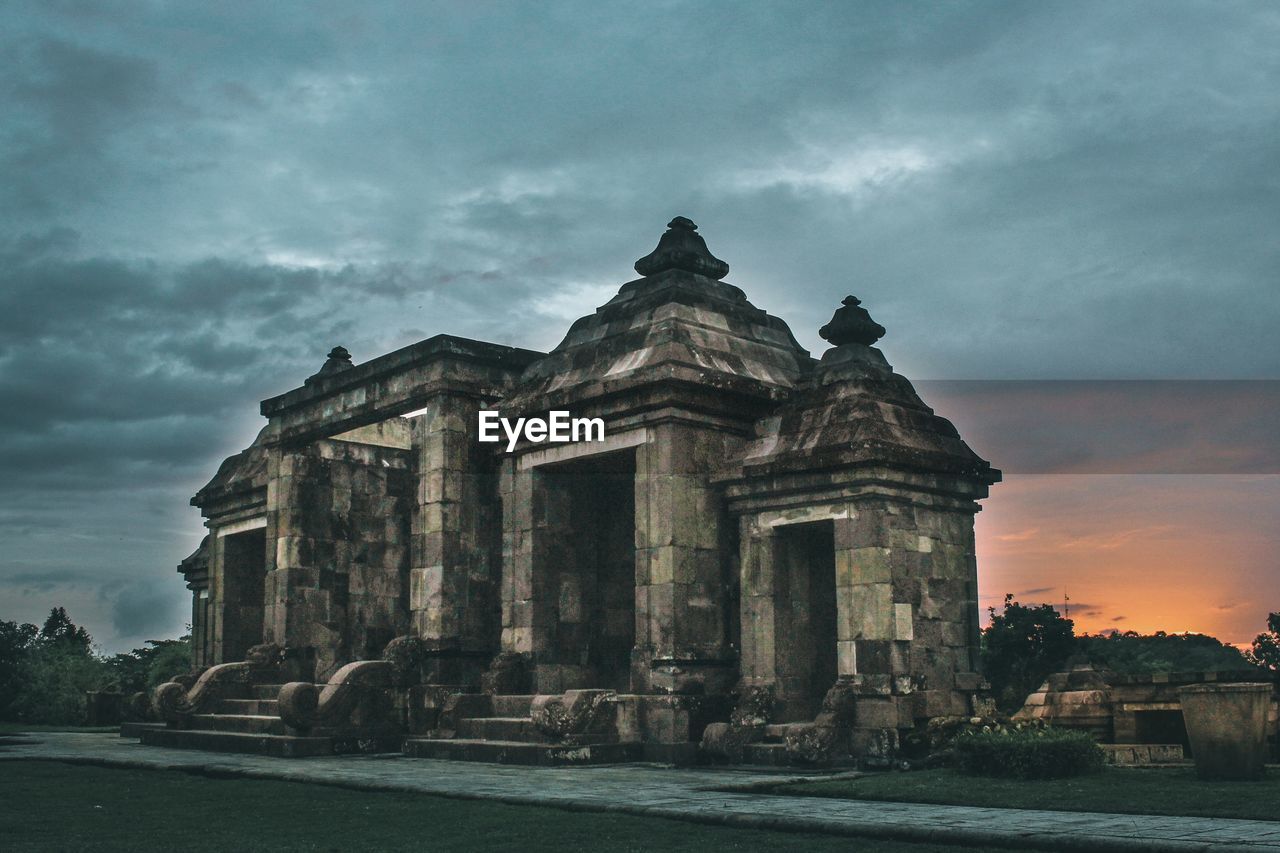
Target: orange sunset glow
1141,552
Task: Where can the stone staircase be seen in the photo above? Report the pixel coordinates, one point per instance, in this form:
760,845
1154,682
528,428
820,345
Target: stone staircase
500,729
249,723
771,750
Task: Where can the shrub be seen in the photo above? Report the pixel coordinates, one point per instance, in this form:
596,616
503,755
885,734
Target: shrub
1046,753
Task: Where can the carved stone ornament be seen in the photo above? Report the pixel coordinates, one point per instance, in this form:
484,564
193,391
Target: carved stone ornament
574,713
173,702
337,361
682,248
852,325
304,706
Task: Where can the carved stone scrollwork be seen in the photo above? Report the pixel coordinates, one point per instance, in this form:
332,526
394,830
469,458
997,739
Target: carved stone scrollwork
137,707
827,738
507,673
405,654
754,711
265,655
304,706
174,702
577,712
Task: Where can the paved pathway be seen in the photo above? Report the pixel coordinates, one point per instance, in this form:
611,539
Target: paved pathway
694,795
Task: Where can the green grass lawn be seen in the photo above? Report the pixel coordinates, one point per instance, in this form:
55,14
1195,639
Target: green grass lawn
52,806
1167,791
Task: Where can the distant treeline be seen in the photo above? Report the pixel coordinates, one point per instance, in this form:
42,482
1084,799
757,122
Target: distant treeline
1131,653
46,672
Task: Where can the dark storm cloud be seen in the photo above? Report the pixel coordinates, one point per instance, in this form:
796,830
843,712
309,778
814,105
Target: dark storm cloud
67,102
146,609
45,581
198,201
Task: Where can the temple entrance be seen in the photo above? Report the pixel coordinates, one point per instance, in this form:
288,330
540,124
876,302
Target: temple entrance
244,571
1163,726
594,584
806,559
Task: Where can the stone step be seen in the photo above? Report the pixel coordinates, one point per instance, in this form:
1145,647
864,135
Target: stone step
280,746
260,724
265,691
512,706
519,729
267,707
513,752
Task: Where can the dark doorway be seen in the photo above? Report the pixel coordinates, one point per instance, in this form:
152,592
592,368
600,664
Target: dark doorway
244,571
806,557
1161,727
596,615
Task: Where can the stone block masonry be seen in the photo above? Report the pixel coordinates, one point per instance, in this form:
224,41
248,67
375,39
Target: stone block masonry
675,511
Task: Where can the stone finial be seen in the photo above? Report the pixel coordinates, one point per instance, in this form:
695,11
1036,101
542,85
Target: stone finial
337,361
682,248
852,325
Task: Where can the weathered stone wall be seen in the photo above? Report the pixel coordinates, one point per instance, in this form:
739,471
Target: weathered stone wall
338,513
1128,709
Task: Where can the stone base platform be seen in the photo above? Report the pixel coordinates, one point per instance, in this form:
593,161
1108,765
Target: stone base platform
279,746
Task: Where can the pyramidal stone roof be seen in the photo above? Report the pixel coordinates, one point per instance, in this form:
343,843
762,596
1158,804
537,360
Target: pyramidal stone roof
679,323
855,411
244,471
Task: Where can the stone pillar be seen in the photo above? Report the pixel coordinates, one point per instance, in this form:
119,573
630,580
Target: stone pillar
515,490
681,562
758,603
453,590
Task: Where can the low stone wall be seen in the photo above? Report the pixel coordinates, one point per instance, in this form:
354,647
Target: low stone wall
1143,754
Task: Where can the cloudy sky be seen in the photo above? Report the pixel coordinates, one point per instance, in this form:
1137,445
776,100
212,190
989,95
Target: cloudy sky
198,200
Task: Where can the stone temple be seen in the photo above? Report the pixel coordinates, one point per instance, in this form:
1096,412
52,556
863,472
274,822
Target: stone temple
767,558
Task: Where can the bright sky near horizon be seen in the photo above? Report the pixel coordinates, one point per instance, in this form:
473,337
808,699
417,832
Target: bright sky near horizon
1038,200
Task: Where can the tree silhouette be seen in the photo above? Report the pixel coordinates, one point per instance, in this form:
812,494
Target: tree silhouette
59,628
1266,647
1021,647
